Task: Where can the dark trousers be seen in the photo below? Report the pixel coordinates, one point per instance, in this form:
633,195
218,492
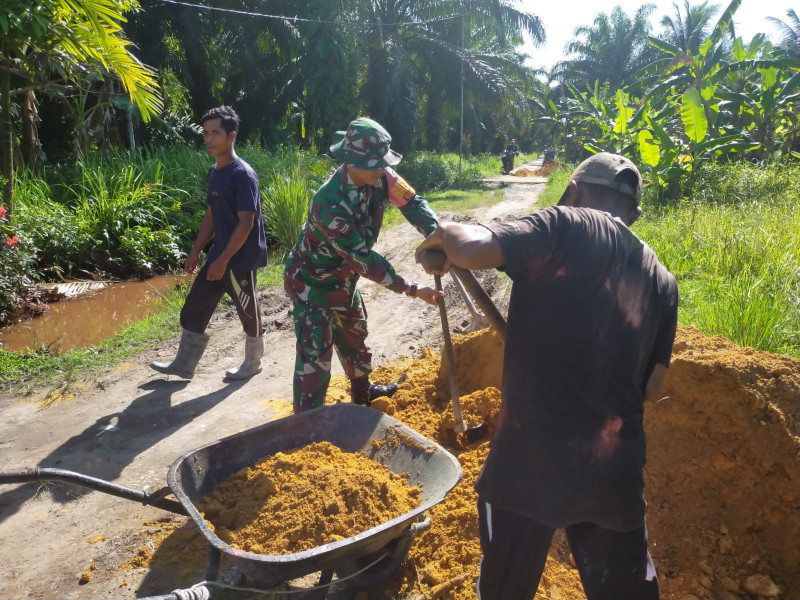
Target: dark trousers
613,565
203,298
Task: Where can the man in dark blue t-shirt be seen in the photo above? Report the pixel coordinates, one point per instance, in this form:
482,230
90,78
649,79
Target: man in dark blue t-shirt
233,219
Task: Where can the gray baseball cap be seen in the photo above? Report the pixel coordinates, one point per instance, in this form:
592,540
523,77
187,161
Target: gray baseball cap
607,169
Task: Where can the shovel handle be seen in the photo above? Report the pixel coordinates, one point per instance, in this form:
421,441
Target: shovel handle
435,259
458,419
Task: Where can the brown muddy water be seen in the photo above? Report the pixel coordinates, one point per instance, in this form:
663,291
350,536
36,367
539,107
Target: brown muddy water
88,319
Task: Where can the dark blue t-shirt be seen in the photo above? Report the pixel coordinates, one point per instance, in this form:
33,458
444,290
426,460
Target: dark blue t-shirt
231,189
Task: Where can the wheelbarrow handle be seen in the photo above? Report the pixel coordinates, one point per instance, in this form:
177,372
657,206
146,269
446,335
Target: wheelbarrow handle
46,474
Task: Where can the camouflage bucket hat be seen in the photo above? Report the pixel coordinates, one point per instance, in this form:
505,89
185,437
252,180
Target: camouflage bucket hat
365,145
611,171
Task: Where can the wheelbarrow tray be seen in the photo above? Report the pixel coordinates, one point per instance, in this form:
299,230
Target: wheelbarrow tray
350,427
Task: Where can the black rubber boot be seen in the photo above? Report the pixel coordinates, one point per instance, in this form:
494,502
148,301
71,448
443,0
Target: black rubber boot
359,390
363,392
377,391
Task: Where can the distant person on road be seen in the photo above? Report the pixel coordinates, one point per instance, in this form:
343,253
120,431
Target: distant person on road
512,148
591,323
509,154
233,219
334,250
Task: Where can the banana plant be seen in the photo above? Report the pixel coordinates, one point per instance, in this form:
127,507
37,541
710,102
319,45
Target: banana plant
595,121
764,101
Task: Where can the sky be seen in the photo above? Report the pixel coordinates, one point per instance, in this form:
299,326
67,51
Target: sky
561,17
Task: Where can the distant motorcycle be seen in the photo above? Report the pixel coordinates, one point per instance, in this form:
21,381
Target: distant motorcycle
508,161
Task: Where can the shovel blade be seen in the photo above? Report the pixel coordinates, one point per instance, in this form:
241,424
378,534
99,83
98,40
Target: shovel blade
478,322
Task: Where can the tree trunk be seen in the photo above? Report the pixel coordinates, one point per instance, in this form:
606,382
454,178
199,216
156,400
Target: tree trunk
31,145
6,143
190,27
131,137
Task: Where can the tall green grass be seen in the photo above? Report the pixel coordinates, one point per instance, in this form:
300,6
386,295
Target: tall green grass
734,248
285,201
435,171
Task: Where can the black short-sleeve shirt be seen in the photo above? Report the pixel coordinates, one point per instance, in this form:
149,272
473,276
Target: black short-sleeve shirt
232,189
592,311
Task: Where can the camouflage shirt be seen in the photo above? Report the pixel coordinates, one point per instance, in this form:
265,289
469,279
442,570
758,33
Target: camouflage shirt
335,246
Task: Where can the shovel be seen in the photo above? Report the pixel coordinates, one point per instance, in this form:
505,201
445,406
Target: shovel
479,320
459,426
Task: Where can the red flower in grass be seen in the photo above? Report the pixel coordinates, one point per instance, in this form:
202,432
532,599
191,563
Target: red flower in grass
12,240
2,212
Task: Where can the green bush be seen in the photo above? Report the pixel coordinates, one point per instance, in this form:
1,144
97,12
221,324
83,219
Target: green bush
285,207
431,171
55,230
144,250
16,266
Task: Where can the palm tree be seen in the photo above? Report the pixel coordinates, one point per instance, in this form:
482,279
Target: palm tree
395,60
687,30
611,49
414,55
790,33
52,42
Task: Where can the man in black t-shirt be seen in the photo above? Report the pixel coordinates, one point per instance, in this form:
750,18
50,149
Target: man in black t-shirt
591,323
233,219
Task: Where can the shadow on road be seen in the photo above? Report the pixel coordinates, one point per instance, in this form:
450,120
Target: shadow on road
109,444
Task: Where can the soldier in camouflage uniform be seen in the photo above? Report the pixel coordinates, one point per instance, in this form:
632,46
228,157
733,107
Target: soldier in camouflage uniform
334,250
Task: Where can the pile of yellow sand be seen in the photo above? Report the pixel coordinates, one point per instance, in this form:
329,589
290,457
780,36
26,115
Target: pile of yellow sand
722,479
305,498
543,171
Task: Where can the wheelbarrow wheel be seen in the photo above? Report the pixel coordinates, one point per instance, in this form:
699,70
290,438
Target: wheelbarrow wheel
395,553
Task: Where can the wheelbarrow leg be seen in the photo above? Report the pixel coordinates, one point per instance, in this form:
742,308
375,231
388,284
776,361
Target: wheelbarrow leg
212,566
325,578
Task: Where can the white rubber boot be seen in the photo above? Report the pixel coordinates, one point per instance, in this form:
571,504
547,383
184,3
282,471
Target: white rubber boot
190,351
253,351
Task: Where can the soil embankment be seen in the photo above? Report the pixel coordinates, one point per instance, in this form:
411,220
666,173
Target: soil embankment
722,473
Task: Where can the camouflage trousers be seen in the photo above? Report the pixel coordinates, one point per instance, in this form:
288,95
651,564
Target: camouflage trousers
318,331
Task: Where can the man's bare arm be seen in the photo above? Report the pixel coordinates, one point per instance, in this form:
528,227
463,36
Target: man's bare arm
466,246
204,234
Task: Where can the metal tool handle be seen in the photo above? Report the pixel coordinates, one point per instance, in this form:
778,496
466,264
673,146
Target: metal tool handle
151,499
435,259
458,420
467,300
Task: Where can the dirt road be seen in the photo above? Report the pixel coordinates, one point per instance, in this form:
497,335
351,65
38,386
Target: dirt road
129,424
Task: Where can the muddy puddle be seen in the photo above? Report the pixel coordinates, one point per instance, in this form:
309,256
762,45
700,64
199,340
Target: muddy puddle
89,318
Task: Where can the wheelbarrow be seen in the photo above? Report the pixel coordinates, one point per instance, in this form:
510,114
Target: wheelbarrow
358,561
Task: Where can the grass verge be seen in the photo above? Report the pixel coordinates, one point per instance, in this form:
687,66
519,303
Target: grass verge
449,200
